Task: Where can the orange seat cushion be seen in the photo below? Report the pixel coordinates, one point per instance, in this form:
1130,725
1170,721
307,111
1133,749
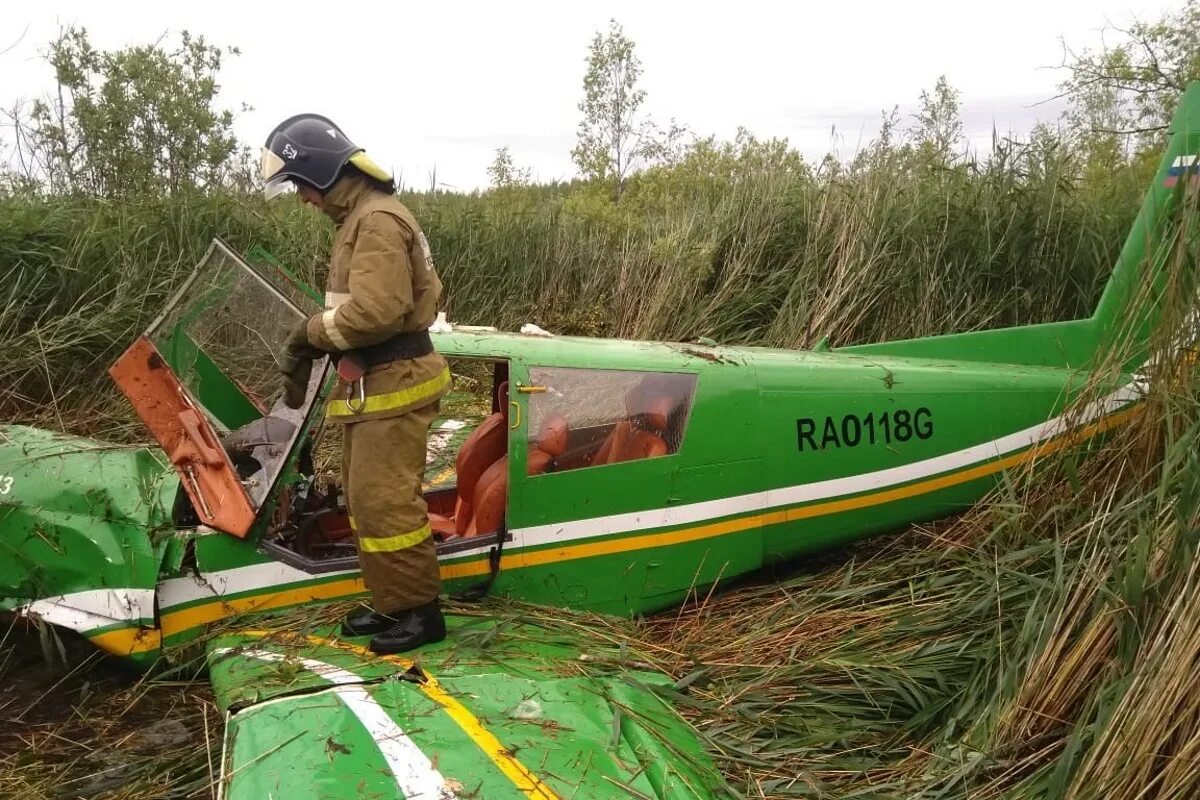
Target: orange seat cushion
554,435
643,444
491,495
538,461
442,526
483,447
614,443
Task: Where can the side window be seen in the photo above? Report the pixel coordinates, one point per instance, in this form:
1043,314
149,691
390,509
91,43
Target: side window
593,417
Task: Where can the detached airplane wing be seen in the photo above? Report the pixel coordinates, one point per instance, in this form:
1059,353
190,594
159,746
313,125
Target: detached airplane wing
500,709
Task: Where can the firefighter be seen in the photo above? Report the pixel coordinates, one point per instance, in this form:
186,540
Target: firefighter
382,294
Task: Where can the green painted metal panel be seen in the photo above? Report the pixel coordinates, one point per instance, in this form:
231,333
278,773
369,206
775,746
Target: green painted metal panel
310,746
79,515
600,732
219,552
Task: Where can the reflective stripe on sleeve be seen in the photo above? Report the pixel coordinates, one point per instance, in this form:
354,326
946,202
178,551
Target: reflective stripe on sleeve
335,299
390,544
411,396
329,323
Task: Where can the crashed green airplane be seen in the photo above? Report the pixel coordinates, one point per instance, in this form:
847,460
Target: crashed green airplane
601,475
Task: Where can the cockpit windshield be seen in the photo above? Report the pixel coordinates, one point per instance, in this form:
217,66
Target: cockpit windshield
218,410
223,335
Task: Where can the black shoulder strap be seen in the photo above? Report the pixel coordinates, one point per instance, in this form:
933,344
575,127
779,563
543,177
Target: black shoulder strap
473,594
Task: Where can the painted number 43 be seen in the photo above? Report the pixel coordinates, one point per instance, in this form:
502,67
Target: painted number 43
6,482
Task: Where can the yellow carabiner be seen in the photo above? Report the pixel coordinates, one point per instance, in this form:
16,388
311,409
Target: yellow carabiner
516,415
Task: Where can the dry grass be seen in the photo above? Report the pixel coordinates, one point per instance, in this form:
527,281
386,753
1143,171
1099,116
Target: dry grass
95,729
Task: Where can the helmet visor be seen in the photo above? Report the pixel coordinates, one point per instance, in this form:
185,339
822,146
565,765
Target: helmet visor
276,184
269,164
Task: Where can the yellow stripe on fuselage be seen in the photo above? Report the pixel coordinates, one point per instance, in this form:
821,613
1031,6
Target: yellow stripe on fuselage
176,622
185,619
128,641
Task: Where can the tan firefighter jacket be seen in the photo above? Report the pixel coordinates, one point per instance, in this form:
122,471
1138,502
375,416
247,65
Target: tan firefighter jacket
381,282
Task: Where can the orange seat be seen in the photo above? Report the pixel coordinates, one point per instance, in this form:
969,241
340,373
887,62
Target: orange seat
629,441
483,496
442,526
491,493
486,445
551,443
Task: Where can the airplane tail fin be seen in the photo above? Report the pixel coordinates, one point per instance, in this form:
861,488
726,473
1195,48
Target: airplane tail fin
1151,271
1155,269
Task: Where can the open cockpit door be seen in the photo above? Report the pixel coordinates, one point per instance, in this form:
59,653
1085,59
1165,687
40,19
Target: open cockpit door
204,378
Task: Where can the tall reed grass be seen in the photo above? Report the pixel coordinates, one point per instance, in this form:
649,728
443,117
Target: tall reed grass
894,246
1040,646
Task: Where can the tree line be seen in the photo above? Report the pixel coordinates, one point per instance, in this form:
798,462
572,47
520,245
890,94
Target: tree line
145,118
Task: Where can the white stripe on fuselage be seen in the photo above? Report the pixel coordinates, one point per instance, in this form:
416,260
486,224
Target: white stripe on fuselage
692,513
174,592
94,608
226,582
257,577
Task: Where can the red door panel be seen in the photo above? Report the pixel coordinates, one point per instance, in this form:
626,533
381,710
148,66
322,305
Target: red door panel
186,436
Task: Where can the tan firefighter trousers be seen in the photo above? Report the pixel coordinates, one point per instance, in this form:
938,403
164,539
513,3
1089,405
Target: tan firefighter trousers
383,464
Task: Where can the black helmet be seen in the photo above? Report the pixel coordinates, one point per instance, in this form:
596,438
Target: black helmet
312,149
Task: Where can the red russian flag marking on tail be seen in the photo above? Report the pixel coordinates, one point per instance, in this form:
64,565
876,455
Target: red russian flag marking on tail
1186,167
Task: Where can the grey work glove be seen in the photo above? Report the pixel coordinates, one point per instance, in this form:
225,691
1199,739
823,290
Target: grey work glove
296,365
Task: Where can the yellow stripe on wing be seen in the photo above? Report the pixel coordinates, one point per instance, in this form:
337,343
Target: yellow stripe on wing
521,776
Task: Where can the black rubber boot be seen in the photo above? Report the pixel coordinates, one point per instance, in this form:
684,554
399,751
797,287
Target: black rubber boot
413,628
366,622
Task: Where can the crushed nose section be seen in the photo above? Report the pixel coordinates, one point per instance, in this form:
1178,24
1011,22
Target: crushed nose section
83,525
497,710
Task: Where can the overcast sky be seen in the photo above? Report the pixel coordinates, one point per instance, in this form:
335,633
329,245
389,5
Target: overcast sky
442,85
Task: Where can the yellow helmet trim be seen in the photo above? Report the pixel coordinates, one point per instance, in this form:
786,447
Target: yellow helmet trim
364,163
